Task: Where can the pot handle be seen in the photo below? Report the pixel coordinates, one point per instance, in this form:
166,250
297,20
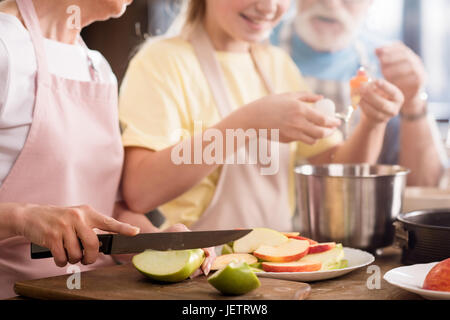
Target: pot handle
401,239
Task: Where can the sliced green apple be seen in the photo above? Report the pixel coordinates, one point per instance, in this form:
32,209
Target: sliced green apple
168,266
227,249
330,259
221,261
235,279
258,237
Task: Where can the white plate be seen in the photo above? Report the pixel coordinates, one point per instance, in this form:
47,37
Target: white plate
411,278
356,259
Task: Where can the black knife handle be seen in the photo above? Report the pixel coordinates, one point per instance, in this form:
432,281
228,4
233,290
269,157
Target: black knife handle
38,252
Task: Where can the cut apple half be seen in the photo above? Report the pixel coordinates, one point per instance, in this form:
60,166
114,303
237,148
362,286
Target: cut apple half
168,266
296,266
321,247
258,237
222,261
291,250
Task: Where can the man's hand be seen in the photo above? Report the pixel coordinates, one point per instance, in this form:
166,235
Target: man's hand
403,68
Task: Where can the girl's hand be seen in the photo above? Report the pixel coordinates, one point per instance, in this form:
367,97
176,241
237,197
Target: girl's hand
59,228
293,115
210,254
380,101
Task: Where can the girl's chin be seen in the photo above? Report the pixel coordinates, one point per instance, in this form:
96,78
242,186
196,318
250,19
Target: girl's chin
256,37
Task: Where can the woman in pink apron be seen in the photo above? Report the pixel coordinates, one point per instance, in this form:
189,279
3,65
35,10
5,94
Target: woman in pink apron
64,181
217,34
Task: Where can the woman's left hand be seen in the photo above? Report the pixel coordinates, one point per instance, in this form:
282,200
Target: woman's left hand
210,253
380,101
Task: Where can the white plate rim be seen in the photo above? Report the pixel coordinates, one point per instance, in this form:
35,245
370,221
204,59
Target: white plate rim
370,256
390,278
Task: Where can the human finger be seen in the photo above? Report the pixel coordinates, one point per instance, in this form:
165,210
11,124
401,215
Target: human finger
72,246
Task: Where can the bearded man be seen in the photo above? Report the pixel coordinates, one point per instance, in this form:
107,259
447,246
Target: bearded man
326,40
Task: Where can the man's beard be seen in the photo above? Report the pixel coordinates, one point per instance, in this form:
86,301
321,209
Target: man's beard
327,41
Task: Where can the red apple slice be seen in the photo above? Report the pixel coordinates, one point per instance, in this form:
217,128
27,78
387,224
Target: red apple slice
291,250
438,278
321,247
303,238
258,237
292,266
222,261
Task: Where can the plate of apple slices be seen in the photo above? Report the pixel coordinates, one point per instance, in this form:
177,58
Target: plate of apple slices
429,280
289,256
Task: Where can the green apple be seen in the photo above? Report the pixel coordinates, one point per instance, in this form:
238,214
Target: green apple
169,266
235,279
226,249
331,259
257,265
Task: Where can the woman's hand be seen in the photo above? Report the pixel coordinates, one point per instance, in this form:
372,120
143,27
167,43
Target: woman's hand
380,101
59,228
210,253
293,115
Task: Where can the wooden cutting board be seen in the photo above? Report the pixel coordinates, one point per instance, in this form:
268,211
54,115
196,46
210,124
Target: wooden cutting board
126,283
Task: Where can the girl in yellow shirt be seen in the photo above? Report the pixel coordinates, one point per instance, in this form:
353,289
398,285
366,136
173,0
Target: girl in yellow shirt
185,98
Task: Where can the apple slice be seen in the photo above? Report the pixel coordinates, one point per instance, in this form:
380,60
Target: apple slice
168,266
222,261
321,247
303,238
438,278
330,259
295,266
291,234
291,250
257,238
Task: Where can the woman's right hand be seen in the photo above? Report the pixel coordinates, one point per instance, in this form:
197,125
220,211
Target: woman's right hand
293,115
59,228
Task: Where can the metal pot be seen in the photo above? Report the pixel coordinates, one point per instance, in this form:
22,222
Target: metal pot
423,235
355,205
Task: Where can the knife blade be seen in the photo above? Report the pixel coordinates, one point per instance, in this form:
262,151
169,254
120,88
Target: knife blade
162,241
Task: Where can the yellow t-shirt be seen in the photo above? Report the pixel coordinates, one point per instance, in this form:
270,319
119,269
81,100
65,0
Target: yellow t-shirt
164,90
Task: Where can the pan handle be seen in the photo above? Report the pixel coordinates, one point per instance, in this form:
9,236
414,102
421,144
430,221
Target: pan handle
401,239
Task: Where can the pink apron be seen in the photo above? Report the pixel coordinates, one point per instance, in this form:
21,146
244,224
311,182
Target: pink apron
73,156
244,198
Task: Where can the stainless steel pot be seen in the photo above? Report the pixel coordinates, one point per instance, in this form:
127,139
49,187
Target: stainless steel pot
352,204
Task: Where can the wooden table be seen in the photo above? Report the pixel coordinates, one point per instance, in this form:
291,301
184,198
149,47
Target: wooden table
352,286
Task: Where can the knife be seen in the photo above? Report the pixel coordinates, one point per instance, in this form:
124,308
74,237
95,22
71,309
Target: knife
162,241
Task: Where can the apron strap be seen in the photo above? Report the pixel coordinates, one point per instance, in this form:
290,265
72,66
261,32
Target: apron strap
95,77
211,68
28,13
